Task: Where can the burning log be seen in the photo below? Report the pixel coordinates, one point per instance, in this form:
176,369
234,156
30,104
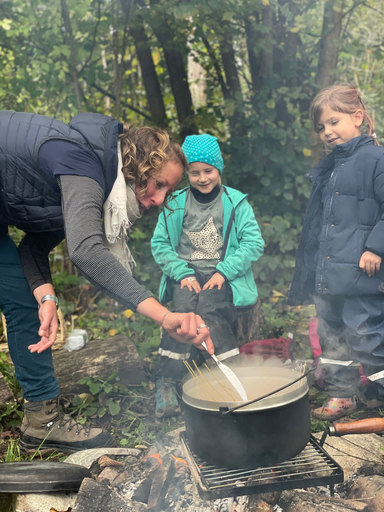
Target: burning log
161,478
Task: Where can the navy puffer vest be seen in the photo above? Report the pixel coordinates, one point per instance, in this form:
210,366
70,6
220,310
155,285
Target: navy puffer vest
29,200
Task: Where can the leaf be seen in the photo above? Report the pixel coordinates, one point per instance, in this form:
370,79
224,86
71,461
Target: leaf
270,103
114,409
5,23
307,152
294,30
265,2
228,16
95,388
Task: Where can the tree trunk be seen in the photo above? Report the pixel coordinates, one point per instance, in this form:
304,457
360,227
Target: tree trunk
71,41
329,43
177,76
229,65
253,51
328,56
266,64
215,63
150,79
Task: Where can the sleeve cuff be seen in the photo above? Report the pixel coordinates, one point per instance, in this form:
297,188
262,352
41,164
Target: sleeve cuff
373,251
184,277
223,275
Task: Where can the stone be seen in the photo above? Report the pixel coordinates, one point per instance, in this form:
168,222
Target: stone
352,452
304,501
36,502
87,457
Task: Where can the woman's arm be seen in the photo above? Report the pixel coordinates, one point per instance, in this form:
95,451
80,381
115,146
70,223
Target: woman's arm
82,209
33,251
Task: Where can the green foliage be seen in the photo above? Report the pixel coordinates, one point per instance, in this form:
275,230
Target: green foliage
8,371
122,404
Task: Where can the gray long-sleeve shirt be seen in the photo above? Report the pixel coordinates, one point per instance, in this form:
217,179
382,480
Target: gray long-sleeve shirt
82,203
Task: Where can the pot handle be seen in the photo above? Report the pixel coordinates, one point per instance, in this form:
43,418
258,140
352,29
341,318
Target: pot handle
367,426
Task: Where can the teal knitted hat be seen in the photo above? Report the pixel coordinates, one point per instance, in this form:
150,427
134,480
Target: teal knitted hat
203,148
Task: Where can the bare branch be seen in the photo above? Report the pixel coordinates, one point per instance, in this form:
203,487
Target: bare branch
127,105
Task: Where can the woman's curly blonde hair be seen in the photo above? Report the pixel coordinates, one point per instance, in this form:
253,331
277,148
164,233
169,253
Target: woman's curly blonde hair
145,151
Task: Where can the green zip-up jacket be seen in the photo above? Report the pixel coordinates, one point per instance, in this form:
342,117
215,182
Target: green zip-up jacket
242,246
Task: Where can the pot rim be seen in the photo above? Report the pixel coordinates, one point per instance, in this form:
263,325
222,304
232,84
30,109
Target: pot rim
282,376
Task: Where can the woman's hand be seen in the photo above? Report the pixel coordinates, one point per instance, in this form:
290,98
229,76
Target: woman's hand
216,280
48,328
49,322
370,263
191,283
185,328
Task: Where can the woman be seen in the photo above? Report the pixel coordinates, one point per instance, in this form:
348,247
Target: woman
87,182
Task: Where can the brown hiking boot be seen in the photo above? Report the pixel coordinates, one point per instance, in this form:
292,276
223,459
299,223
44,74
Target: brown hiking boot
45,422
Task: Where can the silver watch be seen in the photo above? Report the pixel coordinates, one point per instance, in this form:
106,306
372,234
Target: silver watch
50,297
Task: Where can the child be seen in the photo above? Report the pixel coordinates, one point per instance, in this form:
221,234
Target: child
338,261
205,243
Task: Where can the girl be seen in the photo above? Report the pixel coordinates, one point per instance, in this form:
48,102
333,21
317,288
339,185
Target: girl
338,261
205,244
87,182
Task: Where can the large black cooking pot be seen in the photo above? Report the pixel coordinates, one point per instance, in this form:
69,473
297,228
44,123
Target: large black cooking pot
261,434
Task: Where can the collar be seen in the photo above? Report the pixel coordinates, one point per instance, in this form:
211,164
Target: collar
341,151
348,148
205,198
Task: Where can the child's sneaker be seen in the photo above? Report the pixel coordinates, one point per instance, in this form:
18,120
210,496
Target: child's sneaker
335,408
167,404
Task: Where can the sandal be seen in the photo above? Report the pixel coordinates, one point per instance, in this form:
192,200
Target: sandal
335,408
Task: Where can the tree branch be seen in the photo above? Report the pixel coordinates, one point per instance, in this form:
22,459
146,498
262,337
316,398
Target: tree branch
127,105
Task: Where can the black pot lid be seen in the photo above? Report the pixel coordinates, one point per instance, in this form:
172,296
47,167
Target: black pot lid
41,476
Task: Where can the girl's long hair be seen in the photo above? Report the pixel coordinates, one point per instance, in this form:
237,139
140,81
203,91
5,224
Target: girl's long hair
341,98
145,151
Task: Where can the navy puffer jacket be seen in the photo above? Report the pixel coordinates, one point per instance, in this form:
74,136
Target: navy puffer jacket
29,199
333,241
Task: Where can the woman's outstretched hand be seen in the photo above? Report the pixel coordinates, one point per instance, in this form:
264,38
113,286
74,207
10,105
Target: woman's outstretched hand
49,325
188,328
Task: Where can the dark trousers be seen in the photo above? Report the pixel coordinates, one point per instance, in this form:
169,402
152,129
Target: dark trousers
217,311
34,372
351,329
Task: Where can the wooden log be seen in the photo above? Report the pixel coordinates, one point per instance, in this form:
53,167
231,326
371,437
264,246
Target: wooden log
161,478
99,358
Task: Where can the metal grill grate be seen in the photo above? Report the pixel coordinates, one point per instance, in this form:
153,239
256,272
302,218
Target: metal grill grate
310,468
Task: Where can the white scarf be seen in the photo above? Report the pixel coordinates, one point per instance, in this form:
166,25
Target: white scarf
120,212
